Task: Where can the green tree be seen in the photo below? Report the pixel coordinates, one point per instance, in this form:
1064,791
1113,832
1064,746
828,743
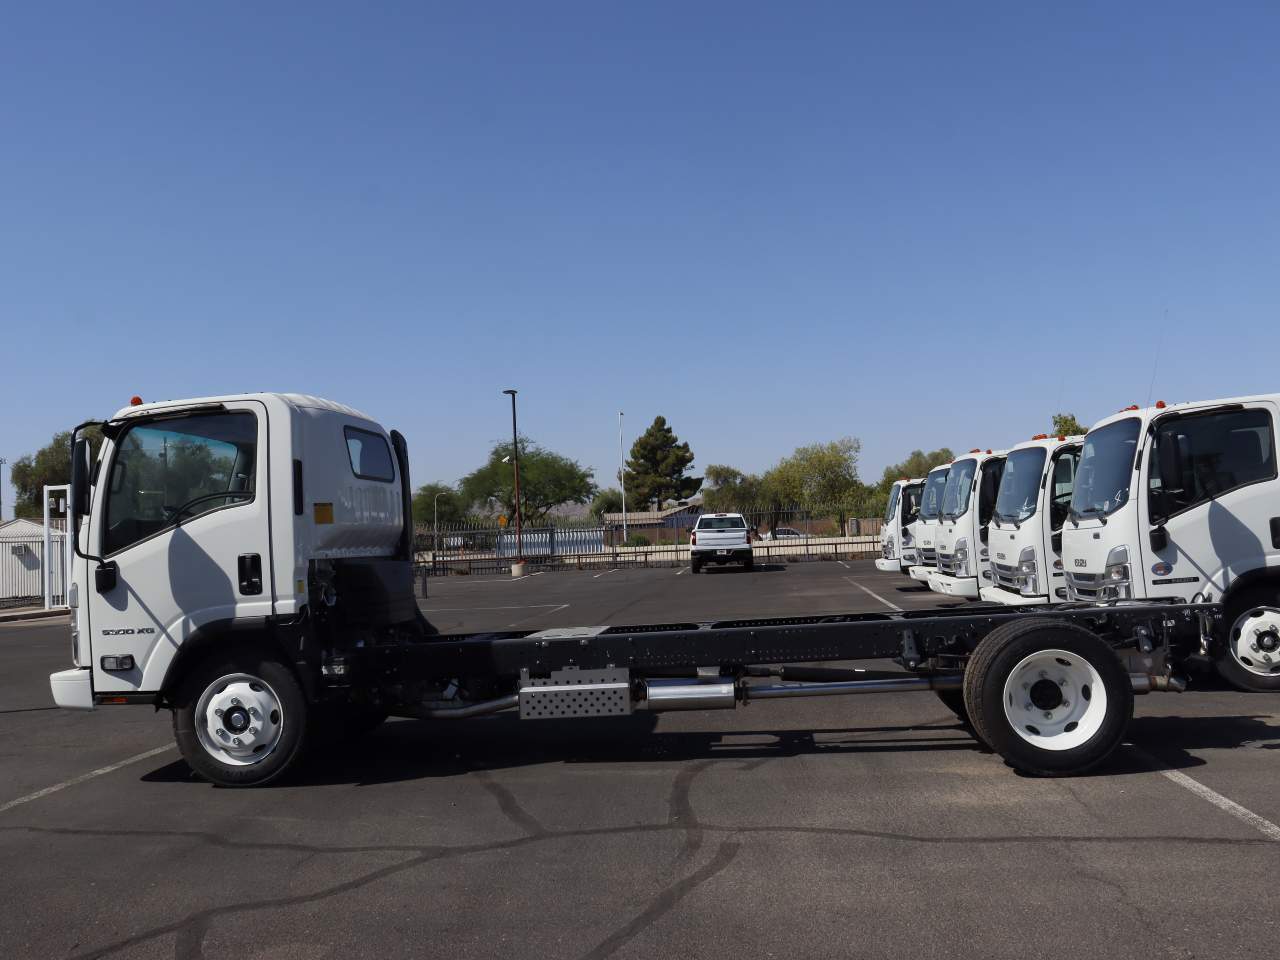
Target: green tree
727,488
547,480
917,465
656,468
48,466
1066,425
606,501
817,476
450,508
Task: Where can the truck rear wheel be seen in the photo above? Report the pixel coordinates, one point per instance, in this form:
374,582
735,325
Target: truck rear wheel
1051,698
1249,658
240,718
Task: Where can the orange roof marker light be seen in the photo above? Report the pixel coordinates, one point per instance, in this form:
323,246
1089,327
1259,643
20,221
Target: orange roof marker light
976,450
988,451
1041,436
1160,404
135,401
1061,438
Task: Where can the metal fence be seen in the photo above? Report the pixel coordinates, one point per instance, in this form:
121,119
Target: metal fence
788,536
22,571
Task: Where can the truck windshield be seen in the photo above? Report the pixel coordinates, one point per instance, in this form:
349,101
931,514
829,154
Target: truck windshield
892,509
1106,469
955,497
1020,485
931,499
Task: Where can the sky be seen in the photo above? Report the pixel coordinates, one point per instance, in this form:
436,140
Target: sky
774,224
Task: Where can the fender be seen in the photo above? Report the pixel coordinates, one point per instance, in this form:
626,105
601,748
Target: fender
285,635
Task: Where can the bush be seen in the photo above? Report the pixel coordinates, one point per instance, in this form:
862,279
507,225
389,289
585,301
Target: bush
637,540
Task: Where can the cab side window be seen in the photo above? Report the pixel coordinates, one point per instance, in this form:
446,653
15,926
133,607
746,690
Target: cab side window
990,487
169,471
1212,454
1063,481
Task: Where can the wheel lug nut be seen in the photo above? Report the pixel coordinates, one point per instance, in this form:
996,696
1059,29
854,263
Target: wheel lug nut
1048,715
1066,703
218,712
236,741
253,731
235,701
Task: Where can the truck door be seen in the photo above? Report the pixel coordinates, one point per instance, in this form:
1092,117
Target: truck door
1061,483
183,526
1210,519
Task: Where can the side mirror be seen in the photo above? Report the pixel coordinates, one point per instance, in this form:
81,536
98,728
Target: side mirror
1159,539
80,468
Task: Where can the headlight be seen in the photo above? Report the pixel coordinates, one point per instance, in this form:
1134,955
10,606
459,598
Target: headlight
961,557
1117,584
1028,573
889,552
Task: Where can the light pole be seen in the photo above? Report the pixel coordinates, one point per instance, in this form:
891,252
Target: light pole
3,461
515,463
435,524
622,478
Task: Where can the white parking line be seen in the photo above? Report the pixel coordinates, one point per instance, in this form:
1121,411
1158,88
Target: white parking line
872,593
532,615
110,768
1225,804
681,570
845,565
605,574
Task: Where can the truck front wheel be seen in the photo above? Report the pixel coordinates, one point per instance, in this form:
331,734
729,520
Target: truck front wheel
1051,698
1249,659
240,718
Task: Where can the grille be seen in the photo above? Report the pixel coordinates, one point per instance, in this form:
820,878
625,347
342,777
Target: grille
946,563
1085,586
1006,576
928,556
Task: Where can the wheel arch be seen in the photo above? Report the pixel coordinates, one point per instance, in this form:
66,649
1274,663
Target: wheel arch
257,632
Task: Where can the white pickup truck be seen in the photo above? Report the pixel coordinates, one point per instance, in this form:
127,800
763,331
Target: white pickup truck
720,538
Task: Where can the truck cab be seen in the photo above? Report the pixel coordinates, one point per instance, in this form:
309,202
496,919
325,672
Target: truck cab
267,522
897,547
1182,501
1024,538
967,502
926,525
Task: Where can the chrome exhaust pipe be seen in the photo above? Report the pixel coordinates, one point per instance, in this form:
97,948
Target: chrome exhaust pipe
1157,683
689,695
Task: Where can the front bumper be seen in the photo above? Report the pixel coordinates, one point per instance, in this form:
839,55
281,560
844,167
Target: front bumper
1004,597
888,566
921,573
966,587
72,688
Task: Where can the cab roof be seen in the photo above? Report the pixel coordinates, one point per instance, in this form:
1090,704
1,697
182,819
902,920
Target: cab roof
297,401
1159,408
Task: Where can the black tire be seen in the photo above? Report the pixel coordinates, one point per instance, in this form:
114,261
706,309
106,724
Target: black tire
997,656
293,716
1225,662
695,566
749,563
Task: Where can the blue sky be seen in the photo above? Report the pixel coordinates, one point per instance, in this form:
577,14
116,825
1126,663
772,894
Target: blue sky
772,223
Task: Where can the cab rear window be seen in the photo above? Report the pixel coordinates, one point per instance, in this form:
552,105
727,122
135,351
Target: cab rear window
370,455
721,523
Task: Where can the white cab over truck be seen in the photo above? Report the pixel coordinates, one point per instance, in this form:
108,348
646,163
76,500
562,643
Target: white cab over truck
967,502
1024,538
720,538
897,544
926,526
247,563
1182,500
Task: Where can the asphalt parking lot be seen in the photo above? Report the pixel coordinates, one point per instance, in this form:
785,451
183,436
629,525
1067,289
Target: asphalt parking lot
830,827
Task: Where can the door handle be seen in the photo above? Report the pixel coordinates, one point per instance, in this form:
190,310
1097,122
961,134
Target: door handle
250,569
